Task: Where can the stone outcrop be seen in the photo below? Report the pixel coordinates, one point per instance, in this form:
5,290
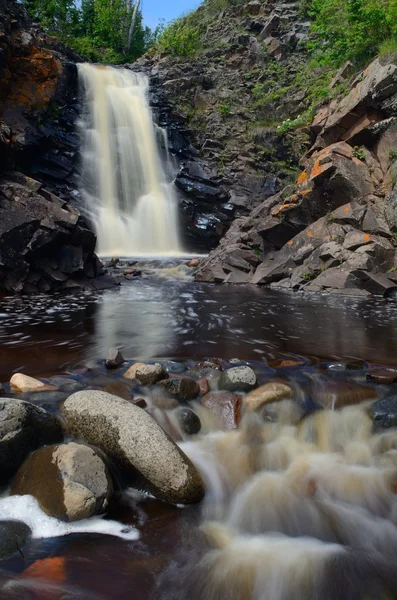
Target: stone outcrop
23,428
132,438
69,481
336,230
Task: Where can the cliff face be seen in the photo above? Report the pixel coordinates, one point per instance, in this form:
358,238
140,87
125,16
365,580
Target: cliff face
312,207
45,244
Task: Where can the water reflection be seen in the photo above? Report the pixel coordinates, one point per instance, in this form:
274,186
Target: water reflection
154,318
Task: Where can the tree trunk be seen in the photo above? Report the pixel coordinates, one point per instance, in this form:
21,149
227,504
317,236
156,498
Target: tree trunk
132,24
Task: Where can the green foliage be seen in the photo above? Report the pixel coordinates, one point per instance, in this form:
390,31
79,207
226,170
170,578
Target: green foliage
308,276
181,37
359,152
388,48
96,29
393,154
350,29
291,124
224,110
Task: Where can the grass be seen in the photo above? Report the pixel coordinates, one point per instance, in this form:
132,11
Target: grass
388,49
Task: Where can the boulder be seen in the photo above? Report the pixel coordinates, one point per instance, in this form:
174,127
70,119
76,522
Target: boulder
69,481
24,383
13,537
238,379
114,359
184,388
188,420
23,428
146,374
265,394
384,412
226,407
133,439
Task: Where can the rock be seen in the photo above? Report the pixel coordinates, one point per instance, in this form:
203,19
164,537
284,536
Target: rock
140,402
238,379
131,437
23,428
226,406
188,420
146,374
24,383
382,376
13,537
265,394
203,385
162,418
114,359
336,394
70,481
184,388
384,412
194,263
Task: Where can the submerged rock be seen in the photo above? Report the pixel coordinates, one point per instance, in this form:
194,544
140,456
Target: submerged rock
270,392
238,379
134,440
13,536
23,428
70,481
384,412
382,376
226,406
114,359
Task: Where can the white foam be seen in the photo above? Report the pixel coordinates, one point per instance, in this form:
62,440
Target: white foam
27,509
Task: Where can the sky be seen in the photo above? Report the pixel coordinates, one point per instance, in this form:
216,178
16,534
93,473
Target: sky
154,10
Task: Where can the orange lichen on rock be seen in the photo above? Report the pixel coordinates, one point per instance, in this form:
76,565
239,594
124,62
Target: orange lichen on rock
290,243
367,238
347,208
309,234
302,178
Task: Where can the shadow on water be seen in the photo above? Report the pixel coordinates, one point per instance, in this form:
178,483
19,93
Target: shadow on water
179,319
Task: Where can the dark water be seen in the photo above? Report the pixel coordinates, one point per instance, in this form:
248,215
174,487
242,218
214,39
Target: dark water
179,319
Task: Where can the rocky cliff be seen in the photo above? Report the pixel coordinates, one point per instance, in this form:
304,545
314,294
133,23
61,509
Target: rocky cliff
313,205
44,242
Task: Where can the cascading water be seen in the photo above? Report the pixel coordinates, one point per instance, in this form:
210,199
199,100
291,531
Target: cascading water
129,200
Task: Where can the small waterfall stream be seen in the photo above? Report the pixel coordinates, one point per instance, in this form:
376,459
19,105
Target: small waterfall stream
129,200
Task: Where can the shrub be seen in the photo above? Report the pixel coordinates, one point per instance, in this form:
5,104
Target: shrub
181,37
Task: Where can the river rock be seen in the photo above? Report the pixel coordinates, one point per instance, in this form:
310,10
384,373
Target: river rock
13,536
226,406
336,394
203,385
384,412
184,388
114,359
270,392
238,379
23,428
188,420
146,374
133,439
382,376
69,481
24,383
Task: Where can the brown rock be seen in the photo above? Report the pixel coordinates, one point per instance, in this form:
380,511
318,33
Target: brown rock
24,383
204,386
184,388
385,376
226,406
270,392
343,393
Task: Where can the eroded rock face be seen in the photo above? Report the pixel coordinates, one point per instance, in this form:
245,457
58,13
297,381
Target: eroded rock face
70,481
23,428
335,231
44,243
133,439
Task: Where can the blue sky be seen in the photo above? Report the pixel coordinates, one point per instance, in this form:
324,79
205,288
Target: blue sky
153,10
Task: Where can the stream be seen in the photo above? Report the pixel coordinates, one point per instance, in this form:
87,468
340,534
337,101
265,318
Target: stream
299,504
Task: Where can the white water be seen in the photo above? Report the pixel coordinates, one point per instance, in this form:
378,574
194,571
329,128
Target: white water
129,200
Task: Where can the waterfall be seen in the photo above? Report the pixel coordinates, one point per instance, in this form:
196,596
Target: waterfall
128,198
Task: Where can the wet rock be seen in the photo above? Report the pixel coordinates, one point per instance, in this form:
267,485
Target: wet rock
382,376
238,379
132,438
384,412
226,406
65,384
2,390
70,481
48,399
184,388
194,263
13,537
204,386
265,394
188,420
114,359
167,424
23,428
146,374
174,367
24,383
140,402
